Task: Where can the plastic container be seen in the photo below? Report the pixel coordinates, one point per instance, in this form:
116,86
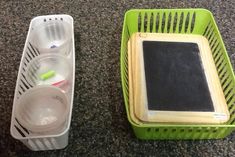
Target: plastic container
42,109
53,36
183,21
48,69
25,129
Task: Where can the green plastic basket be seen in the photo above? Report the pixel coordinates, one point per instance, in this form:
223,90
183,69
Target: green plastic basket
183,21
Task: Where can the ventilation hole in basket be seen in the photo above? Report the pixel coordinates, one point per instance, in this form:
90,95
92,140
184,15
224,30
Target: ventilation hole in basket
145,22
222,75
35,50
19,92
47,143
218,58
21,133
32,52
206,30
230,108
139,22
198,130
173,130
186,22
25,64
233,112
156,130
233,121
148,130
215,44
211,38
213,41
151,23
26,59
26,86
126,83
22,88
224,88
214,131
61,19
181,130
163,22
126,62
29,56
44,20
230,99
169,23
230,90
217,55
216,48
190,130
26,80
220,62
221,72
128,33
223,82
23,69
22,126
40,144
193,22
165,130
209,31
175,22
181,22
222,67
50,19
210,35
157,22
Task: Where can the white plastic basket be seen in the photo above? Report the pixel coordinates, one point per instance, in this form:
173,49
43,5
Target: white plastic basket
45,141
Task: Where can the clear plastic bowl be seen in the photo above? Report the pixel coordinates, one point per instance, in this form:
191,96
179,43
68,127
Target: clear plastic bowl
49,69
42,109
52,37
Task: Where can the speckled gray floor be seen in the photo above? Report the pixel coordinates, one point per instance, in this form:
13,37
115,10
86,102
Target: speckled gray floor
99,124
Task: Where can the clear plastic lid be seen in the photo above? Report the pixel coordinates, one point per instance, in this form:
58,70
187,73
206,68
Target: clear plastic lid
42,108
52,37
49,69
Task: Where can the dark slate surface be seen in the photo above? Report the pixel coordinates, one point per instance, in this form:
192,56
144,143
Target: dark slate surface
99,124
175,79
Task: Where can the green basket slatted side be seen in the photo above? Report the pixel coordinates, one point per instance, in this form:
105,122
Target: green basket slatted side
181,132
189,21
124,65
167,21
223,66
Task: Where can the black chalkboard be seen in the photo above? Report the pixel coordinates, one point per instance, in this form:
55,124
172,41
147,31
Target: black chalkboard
175,80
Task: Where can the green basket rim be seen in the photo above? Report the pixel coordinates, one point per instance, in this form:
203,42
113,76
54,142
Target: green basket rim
122,75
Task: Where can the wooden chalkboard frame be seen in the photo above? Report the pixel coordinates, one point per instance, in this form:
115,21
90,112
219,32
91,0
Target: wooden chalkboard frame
137,86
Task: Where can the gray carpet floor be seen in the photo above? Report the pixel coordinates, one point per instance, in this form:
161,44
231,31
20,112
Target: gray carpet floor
99,125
